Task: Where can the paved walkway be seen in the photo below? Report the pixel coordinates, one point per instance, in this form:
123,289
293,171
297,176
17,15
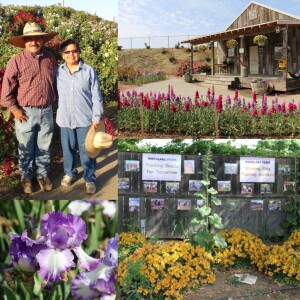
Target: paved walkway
185,89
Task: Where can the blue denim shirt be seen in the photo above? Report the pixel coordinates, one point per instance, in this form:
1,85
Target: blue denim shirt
80,100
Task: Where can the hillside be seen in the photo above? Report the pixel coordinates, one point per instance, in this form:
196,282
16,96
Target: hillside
149,60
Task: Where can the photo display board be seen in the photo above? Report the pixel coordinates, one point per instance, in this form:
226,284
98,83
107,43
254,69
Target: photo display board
257,169
163,167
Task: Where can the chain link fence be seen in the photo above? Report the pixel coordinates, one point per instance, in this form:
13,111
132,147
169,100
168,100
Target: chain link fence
168,41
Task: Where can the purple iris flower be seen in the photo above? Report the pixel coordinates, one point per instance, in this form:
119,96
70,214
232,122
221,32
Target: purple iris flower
101,281
23,251
52,252
62,233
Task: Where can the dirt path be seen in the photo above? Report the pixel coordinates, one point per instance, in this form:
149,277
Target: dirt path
106,183
225,288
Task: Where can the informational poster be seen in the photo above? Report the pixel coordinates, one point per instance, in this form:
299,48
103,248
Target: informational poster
123,183
195,185
257,169
172,187
150,186
134,204
289,186
224,186
183,204
157,204
233,204
247,188
274,205
284,169
189,167
230,168
163,167
132,166
257,205
266,188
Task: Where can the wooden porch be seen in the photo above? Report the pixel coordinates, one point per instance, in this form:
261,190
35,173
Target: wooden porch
229,81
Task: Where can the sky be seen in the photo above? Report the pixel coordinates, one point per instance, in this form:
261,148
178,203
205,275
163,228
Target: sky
107,10
185,19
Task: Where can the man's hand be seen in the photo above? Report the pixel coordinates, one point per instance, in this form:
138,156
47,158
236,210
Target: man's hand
20,115
95,124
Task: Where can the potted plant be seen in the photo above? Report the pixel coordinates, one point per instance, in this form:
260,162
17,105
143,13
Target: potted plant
259,86
188,76
260,40
231,43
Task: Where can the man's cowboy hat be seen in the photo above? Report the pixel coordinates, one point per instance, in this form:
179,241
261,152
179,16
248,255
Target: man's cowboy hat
97,139
31,29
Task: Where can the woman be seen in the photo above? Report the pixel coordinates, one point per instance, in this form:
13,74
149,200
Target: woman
80,105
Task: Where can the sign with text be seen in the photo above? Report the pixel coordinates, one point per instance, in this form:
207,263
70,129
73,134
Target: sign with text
164,167
257,169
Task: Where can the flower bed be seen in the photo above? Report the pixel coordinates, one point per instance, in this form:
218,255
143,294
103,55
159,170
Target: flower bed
167,270
164,271
168,113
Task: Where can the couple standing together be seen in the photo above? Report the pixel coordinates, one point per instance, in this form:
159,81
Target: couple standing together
32,82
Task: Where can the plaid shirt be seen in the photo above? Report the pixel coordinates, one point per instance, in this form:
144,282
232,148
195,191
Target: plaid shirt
29,81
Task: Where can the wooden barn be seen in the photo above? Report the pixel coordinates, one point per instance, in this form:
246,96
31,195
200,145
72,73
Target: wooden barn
239,56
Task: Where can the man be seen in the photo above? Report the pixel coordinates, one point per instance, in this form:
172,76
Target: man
28,92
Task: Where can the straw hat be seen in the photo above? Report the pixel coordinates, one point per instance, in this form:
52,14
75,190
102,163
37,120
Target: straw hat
31,29
97,139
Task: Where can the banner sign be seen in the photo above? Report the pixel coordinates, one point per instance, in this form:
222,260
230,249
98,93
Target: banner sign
257,169
164,167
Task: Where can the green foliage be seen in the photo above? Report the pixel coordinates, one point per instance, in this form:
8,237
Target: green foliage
97,39
153,239
134,279
172,59
129,75
292,210
177,45
268,148
205,219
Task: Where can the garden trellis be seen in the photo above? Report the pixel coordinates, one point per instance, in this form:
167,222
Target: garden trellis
165,206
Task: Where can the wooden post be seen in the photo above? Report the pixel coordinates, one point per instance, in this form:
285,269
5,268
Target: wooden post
285,49
212,63
215,113
192,59
141,114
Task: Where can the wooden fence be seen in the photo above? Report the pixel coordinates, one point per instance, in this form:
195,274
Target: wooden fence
166,207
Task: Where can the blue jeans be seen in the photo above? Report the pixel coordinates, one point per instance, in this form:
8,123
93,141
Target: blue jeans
34,137
71,140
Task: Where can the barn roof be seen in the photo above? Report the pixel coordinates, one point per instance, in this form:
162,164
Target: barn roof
230,32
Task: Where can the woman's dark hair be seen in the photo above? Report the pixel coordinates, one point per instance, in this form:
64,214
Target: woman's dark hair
66,43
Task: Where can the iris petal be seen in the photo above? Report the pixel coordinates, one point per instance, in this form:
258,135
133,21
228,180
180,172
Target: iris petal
86,261
54,262
80,288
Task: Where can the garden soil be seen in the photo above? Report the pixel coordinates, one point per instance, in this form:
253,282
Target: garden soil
225,288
